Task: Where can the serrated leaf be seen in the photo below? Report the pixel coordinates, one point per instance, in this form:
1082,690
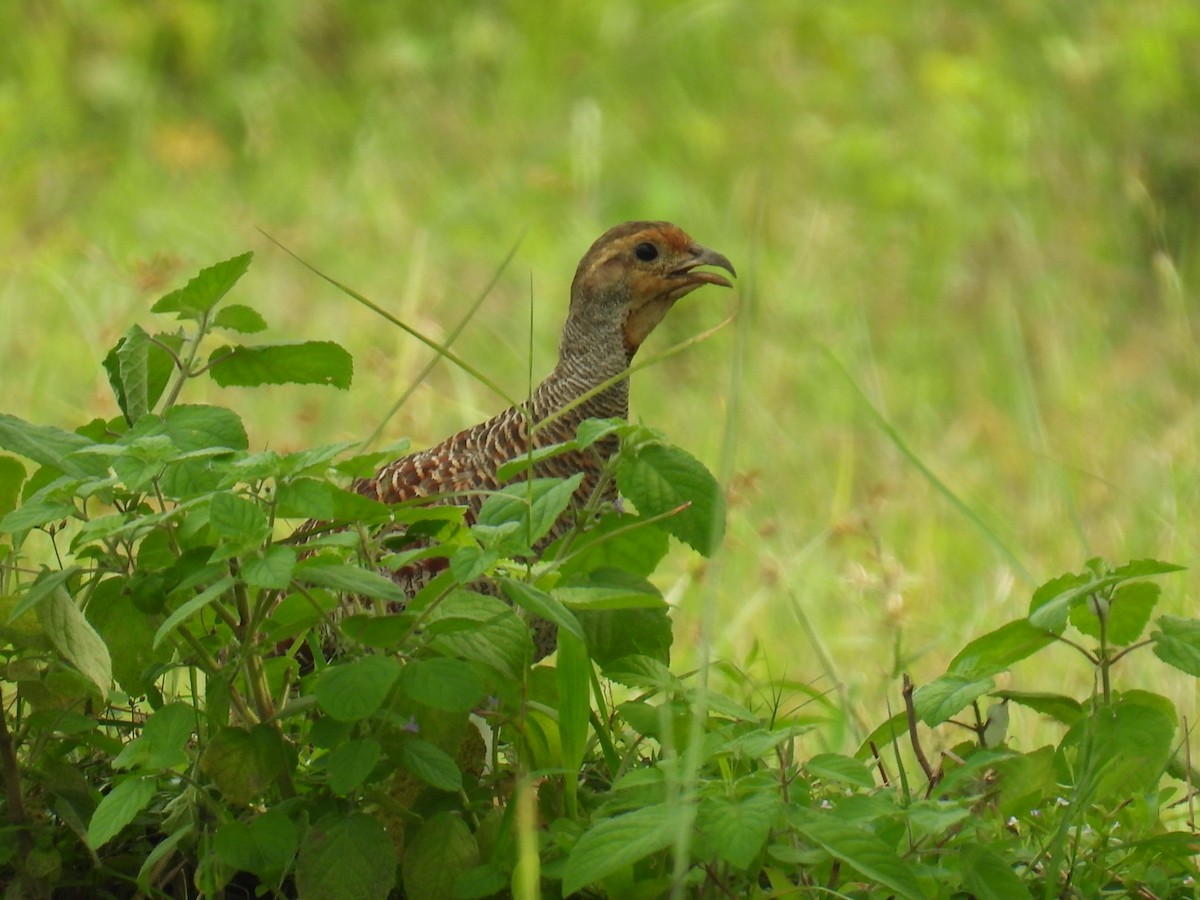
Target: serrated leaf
738,828
941,698
204,290
272,570
244,763
350,858
309,362
442,683
843,769
618,542
194,427
1177,643
75,638
662,480
232,516
442,850
348,765
860,849
354,690
891,730
118,808
998,650
616,633
240,318
482,629
431,764
612,844
1144,568
541,604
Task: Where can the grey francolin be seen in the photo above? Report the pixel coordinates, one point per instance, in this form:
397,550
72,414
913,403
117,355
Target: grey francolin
624,286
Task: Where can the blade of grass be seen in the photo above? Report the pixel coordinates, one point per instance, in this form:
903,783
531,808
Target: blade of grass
940,486
441,349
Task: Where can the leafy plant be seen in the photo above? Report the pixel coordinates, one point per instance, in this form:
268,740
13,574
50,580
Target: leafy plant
173,720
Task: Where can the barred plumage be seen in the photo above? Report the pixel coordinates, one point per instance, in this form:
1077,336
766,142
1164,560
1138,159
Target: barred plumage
624,285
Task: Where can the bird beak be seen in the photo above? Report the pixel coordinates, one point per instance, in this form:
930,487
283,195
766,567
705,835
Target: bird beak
702,256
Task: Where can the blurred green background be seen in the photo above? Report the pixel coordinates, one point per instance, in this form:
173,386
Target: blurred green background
986,212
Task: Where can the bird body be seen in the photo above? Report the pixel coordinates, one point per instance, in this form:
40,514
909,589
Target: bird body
624,285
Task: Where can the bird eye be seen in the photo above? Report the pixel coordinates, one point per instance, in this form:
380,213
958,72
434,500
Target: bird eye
646,252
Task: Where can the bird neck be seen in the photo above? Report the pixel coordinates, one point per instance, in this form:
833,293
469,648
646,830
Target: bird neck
588,357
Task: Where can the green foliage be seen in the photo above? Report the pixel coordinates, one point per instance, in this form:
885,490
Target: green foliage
168,699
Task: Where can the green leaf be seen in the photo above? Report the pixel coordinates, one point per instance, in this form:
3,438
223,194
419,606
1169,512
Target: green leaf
118,808
1065,709
860,849
272,570
1144,568
610,589
1132,606
612,844
535,505
998,650
482,629
162,850
442,850
356,689
75,638
892,729
351,580
448,684
309,362
941,698
1177,643
381,632
661,479
194,427
988,877
138,370
541,604
431,764
35,515
480,882
617,542
236,517
160,745
244,763
192,606
574,677
738,828
264,846
1122,749
47,582
613,634
205,290
236,317
526,461
348,765
842,769
350,858
49,446
12,476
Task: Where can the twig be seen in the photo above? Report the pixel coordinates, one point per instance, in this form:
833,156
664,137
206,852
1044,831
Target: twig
911,712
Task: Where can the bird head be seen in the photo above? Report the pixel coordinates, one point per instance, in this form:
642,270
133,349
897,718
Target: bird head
631,277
